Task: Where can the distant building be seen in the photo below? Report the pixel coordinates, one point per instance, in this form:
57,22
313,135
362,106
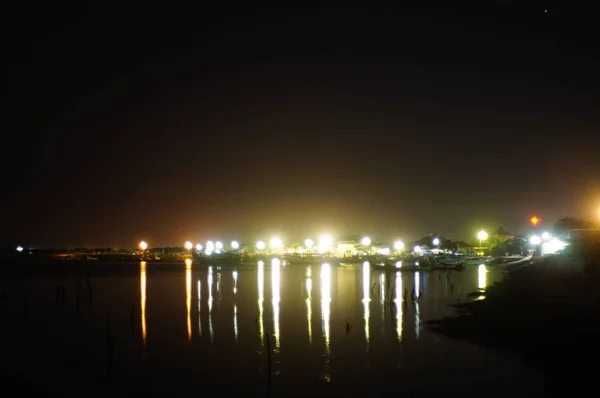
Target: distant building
461,246
347,248
502,234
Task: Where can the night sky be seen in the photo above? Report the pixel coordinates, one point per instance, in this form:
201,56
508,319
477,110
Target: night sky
199,123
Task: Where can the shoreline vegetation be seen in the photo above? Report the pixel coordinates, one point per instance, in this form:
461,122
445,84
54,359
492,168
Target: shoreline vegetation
547,313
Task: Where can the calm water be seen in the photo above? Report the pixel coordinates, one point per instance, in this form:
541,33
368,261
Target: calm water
183,327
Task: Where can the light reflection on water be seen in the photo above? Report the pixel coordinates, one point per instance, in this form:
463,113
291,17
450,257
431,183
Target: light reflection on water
188,296
325,314
481,276
143,267
234,332
210,302
199,291
399,304
261,299
417,287
366,270
235,315
309,302
276,287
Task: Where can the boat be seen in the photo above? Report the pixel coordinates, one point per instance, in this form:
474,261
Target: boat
509,261
424,265
449,261
478,260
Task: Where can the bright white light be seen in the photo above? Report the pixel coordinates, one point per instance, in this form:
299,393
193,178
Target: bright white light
309,243
199,247
143,245
366,241
535,240
398,245
325,243
19,249
417,249
546,236
436,241
210,246
235,245
219,245
276,243
553,246
385,251
398,264
482,235
188,245
260,245
208,252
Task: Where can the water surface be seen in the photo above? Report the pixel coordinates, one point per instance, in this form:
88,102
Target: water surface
160,328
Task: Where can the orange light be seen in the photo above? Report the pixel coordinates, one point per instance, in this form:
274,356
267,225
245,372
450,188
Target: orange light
535,221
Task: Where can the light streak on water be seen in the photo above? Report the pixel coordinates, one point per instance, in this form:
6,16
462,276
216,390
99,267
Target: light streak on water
309,303
143,301
199,292
261,299
366,270
188,296
235,317
325,314
481,276
276,288
399,304
210,302
417,311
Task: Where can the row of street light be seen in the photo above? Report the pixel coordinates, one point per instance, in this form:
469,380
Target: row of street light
324,244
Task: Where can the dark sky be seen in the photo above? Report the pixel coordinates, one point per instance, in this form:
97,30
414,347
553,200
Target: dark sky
195,123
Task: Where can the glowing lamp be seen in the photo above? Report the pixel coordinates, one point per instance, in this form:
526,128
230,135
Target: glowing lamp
276,243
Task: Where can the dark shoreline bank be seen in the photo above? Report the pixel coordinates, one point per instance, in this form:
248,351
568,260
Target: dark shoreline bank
547,316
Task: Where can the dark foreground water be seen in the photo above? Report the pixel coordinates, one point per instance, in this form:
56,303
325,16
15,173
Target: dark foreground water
182,329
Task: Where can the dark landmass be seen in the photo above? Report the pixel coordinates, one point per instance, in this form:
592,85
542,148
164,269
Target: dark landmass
548,313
